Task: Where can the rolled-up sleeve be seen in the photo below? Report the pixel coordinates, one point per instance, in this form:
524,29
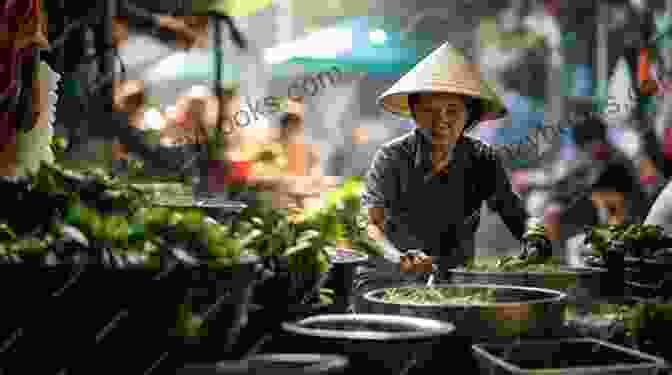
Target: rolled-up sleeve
381,180
505,201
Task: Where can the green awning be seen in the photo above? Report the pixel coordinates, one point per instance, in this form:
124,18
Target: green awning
343,65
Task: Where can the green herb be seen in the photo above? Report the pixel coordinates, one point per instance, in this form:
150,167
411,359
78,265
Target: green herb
515,264
437,296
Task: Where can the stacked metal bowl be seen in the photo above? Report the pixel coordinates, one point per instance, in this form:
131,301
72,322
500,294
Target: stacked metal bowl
514,311
576,282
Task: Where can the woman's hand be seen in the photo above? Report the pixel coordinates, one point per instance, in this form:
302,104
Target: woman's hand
416,262
374,232
537,248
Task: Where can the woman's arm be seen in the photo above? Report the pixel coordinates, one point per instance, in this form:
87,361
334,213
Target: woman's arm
380,189
506,202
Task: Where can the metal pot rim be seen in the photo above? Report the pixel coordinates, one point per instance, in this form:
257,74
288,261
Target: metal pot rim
426,328
353,261
249,259
314,363
358,257
559,296
567,270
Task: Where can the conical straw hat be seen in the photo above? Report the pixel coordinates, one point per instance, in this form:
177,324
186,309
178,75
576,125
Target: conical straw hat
446,70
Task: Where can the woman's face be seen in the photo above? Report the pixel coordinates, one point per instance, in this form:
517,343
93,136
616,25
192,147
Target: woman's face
445,115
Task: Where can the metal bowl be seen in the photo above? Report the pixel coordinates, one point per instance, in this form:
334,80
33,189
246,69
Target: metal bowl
384,342
516,312
576,282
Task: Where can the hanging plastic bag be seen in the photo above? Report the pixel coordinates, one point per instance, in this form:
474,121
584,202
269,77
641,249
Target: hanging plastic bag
622,98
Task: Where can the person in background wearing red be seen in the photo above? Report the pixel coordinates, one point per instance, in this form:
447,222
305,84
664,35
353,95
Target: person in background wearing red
23,98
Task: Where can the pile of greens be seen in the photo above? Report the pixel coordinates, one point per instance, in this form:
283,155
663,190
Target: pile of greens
340,222
640,238
640,325
515,264
437,296
536,231
304,239
118,223
94,217
345,205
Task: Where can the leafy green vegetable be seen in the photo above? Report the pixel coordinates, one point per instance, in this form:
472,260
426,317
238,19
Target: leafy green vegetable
637,235
514,264
437,296
104,216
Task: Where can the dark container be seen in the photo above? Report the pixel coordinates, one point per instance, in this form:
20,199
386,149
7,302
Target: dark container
50,302
614,280
342,278
143,318
288,292
222,298
139,323
565,357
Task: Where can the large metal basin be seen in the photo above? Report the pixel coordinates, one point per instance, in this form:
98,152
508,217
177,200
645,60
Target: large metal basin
576,282
516,312
385,343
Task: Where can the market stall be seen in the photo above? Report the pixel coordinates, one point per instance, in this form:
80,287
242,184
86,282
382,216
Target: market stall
107,265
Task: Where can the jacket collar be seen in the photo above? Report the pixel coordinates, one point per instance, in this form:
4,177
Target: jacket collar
423,149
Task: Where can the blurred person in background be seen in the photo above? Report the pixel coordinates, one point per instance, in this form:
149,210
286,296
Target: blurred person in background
353,158
290,155
24,35
129,98
593,181
185,33
270,163
198,27
514,56
303,158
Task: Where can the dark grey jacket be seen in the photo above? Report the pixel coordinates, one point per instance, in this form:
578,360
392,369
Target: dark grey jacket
429,212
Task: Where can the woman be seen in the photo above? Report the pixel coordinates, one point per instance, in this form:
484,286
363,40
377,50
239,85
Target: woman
425,189
354,157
